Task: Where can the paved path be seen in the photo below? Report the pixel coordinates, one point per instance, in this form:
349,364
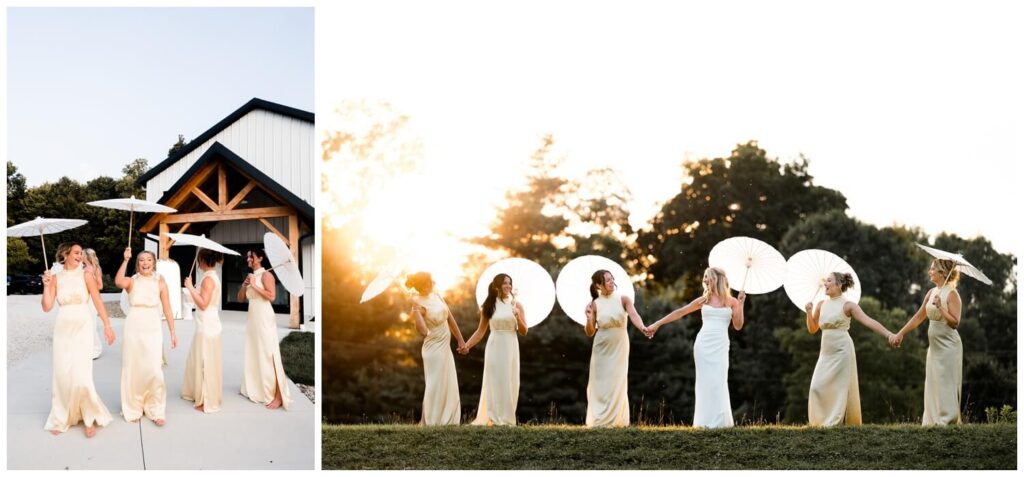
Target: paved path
243,435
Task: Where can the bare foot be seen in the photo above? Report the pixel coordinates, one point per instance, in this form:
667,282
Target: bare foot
199,408
90,431
159,422
274,404
56,432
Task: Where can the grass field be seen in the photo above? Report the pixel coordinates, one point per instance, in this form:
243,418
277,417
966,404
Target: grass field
297,357
905,446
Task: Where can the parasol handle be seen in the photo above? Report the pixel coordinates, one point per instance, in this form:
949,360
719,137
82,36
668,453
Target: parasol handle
131,222
743,287
278,265
46,266
194,261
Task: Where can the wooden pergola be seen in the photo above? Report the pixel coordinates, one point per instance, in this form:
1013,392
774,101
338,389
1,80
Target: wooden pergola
198,207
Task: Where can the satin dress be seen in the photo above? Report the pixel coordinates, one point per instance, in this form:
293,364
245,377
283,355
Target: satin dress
499,394
943,367
834,396
607,400
204,370
143,391
441,405
263,369
712,408
73,396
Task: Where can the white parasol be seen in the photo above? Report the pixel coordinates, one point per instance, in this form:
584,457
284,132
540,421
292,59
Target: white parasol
573,284
282,262
132,205
200,241
383,280
962,265
750,265
40,226
806,272
531,287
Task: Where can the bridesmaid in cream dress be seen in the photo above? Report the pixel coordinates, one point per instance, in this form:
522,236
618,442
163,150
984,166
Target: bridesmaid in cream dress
143,391
434,321
835,395
607,399
504,316
945,362
204,372
74,398
264,379
718,309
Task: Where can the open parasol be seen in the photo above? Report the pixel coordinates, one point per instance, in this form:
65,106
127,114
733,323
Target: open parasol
573,284
962,265
751,265
282,262
531,287
806,272
40,226
132,205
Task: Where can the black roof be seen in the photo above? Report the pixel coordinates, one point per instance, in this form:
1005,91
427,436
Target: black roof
253,104
219,150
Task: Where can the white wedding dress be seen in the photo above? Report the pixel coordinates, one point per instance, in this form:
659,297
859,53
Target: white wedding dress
711,359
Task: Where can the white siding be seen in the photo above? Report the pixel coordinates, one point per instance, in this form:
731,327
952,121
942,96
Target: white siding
279,146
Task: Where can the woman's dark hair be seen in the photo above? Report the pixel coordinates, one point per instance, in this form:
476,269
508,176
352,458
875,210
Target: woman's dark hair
844,280
596,280
210,258
419,280
259,254
493,292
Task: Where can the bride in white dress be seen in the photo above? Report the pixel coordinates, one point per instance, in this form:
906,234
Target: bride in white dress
718,309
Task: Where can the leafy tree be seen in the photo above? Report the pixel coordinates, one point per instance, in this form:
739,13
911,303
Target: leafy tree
178,145
18,258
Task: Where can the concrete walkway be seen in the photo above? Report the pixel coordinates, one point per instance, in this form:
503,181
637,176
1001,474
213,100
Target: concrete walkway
243,435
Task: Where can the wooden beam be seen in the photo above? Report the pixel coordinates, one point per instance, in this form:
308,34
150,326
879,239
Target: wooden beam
237,214
274,229
293,241
165,246
206,199
180,196
240,196
170,241
222,187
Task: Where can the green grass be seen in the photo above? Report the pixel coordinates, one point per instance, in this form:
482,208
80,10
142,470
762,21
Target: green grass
297,357
904,446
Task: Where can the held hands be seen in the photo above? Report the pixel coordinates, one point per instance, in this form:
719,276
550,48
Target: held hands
895,340
651,330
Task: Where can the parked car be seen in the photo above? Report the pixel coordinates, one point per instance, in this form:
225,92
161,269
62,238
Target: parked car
24,284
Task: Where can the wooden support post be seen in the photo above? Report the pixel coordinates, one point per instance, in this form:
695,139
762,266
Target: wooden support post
165,246
222,187
293,246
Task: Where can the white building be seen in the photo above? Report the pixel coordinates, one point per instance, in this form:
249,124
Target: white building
249,174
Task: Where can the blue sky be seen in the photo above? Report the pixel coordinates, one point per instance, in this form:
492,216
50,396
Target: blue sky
91,89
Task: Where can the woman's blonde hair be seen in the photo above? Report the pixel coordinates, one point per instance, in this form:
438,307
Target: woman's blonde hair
720,283
945,267
91,258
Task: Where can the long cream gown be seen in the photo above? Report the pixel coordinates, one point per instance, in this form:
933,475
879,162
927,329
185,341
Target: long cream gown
834,396
607,401
943,368
441,405
74,398
263,369
143,391
499,394
204,380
